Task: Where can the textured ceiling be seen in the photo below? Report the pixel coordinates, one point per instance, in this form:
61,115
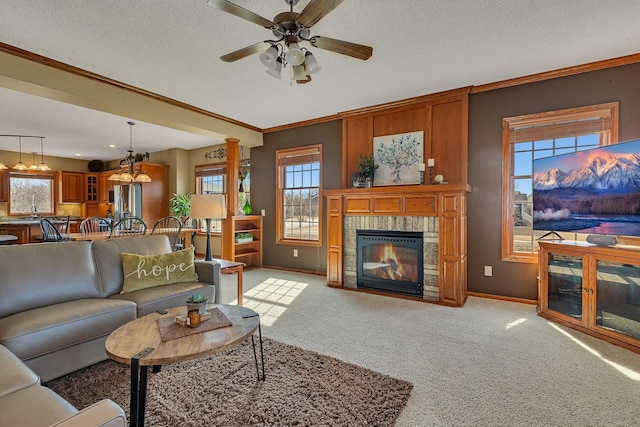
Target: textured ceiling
419,47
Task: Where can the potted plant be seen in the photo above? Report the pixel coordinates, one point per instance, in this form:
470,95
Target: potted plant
244,237
367,168
180,205
197,302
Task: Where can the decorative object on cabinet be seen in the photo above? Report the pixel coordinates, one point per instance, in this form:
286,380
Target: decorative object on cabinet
96,166
208,206
398,158
593,289
291,28
129,161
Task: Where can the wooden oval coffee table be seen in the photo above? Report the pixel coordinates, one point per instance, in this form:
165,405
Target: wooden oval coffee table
139,344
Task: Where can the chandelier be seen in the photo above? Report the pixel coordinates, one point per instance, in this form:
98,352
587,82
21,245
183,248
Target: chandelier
130,175
20,165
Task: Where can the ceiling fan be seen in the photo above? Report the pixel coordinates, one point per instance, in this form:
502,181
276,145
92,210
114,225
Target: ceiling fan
290,28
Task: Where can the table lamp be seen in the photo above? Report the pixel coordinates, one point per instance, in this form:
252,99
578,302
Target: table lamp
208,206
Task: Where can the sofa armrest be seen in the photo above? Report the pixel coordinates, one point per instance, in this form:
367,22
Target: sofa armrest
209,272
104,413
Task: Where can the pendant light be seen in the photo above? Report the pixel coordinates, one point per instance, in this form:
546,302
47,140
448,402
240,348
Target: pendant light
20,166
34,165
43,166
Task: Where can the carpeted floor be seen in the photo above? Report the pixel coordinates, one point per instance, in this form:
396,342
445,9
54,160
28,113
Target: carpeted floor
302,388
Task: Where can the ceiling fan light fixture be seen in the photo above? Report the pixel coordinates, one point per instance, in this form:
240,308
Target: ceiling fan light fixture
310,63
294,55
277,70
269,57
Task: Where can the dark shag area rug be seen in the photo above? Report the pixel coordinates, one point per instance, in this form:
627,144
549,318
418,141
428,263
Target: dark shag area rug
302,388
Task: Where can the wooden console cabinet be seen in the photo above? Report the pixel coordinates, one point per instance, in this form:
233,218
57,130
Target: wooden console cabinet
592,289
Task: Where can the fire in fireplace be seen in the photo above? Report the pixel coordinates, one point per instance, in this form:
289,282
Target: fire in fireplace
390,261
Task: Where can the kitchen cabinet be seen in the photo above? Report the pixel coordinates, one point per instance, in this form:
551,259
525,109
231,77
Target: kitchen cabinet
71,187
91,187
592,289
104,186
4,185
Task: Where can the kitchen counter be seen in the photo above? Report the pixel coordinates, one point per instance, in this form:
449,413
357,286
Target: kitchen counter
28,229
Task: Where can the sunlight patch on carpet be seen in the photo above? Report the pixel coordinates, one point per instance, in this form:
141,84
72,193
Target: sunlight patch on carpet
630,373
515,323
272,297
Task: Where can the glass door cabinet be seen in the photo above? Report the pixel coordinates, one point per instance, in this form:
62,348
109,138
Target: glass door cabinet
593,289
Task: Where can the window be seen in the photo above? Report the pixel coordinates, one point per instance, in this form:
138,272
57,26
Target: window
534,136
31,194
212,179
298,204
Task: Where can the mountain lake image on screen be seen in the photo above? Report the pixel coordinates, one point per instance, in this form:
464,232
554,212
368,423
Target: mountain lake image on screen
594,191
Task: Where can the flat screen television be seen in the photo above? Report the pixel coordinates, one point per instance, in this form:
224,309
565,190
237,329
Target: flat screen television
594,191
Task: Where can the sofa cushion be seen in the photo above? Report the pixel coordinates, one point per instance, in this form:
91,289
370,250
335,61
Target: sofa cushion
34,407
47,329
148,271
14,375
108,257
42,274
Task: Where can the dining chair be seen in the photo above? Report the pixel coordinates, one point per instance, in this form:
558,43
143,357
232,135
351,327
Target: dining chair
94,224
130,226
192,224
171,226
50,233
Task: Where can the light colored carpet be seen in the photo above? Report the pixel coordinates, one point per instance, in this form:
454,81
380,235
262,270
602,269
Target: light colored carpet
489,363
302,388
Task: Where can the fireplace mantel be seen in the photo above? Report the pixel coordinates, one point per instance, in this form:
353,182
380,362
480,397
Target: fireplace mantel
446,202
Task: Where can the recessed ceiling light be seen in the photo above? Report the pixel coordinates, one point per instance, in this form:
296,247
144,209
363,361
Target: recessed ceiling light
112,146
78,154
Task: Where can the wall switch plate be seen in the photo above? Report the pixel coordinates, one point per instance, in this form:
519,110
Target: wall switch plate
263,212
295,252
488,270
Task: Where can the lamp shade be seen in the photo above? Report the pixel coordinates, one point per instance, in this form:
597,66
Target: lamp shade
268,58
298,73
275,71
208,206
294,55
310,63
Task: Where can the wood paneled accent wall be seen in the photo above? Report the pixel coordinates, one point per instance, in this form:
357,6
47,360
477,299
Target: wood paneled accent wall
443,117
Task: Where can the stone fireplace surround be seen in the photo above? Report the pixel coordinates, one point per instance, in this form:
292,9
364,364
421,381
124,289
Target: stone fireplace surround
427,225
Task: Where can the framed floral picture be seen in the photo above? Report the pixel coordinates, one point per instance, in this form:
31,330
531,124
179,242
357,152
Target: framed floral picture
398,158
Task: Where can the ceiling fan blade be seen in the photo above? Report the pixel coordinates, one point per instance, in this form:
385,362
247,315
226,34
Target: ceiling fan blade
340,46
241,53
241,12
316,10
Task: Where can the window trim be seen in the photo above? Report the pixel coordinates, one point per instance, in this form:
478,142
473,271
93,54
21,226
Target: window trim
281,154
548,118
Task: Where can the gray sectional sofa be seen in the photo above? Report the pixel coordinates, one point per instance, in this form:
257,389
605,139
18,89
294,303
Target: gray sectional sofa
60,301
25,402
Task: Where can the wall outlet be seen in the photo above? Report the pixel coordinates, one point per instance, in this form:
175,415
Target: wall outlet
295,252
263,212
488,270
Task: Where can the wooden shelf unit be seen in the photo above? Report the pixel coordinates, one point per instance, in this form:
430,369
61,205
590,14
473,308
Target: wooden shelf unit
249,253
592,289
